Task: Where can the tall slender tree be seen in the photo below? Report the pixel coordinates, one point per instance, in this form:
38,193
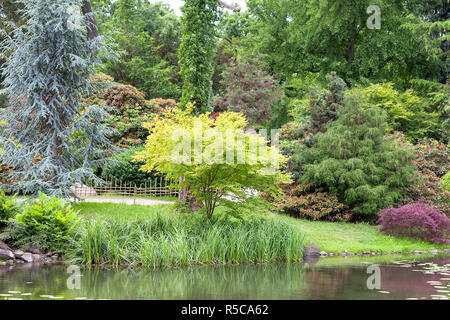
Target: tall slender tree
46,140
197,51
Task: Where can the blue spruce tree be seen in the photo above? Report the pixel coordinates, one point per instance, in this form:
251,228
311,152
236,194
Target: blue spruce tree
46,140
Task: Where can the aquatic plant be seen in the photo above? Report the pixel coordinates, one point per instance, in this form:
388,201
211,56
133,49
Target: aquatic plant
184,239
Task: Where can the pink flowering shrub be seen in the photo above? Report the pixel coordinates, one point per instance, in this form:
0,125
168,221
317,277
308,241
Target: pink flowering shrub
416,220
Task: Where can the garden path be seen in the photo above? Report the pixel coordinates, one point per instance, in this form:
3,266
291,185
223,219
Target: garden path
130,201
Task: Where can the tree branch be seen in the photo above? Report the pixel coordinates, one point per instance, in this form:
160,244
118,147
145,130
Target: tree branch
230,41
228,6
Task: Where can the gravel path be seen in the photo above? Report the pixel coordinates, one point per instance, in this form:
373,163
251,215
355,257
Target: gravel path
139,201
130,201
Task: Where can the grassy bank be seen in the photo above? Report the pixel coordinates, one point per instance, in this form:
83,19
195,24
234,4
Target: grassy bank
155,236
329,236
340,236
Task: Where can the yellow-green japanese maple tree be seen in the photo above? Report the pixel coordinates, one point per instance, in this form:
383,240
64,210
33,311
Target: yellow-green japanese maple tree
212,157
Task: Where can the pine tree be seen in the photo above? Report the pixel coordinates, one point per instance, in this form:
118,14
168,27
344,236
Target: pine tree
323,109
46,140
355,160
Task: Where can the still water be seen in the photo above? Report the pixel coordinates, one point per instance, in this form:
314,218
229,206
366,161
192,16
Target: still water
401,277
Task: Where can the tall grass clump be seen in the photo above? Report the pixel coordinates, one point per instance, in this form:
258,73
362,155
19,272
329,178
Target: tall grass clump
184,239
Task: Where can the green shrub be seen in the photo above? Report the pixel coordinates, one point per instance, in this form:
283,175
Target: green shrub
126,170
355,160
8,209
432,162
301,201
445,182
45,222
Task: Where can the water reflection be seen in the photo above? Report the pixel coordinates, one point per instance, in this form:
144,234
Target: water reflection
330,278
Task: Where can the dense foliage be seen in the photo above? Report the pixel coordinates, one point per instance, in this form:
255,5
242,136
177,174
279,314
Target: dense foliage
414,113
46,222
445,182
249,89
197,51
128,110
432,162
122,168
310,119
218,164
323,35
354,159
416,220
148,36
302,202
8,209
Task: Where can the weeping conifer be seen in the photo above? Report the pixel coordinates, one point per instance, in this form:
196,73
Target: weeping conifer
47,142
355,160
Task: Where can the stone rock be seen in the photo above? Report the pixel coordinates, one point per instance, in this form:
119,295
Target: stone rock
33,249
417,252
311,250
37,257
323,254
80,190
331,254
18,253
6,254
311,260
446,250
4,246
434,252
27,257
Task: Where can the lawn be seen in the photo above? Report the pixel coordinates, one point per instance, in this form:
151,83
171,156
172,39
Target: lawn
118,211
340,236
329,236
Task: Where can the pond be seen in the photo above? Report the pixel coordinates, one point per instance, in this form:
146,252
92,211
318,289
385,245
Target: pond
400,277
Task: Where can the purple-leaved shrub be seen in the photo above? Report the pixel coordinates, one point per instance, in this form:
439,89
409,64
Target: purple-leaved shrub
416,220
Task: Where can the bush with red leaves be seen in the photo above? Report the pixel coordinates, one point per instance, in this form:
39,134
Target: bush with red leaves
301,201
129,111
432,162
416,221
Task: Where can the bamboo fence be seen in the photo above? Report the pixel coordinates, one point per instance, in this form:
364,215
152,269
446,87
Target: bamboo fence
154,188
